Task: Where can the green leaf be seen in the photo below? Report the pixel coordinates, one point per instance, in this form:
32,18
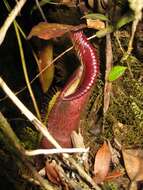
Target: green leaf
124,20
95,16
103,32
116,72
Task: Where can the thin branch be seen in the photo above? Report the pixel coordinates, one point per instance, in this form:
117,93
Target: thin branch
40,10
134,27
108,85
26,72
55,151
10,19
118,41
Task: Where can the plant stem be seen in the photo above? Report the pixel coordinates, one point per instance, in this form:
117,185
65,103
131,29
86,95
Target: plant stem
10,19
25,71
40,10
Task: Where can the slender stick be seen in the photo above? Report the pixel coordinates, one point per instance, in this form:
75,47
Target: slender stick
40,10
10,19
26,72
108,85
55,151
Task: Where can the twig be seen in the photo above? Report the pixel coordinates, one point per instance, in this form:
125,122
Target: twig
134,26
137,7
10,19
118,41
55,151
83,173
26,72
12,138
40,10
40,127
108,85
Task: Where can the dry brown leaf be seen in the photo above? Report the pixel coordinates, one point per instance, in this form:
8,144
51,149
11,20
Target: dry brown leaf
45,59
133,159
52,173
115,155
47,31
77,140
69,3
113,175
95,24
133,186
102,163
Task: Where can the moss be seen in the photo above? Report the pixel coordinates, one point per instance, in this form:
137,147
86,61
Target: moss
124,118
125,114
29,137
110,186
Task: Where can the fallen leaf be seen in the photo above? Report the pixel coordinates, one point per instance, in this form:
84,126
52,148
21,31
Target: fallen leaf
57,175
115,155
113,175
95,24
45,61
133,186
102,163
47,31
68,2
77,140
52,173
95,16
133,159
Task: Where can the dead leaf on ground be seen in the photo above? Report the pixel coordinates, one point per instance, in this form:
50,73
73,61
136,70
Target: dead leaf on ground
102,163
113,175
57,175
52,173
133,159
47,31
78,142
69,3
115,155
95,24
